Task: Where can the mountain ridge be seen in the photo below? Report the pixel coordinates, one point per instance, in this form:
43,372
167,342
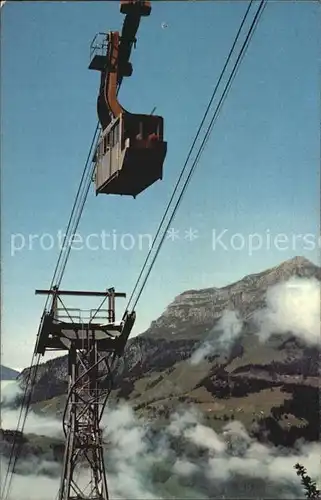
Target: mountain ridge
7,373
215,299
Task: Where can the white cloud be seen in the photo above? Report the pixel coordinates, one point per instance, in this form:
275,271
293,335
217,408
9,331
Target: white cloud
30,487
294,307
35,423
184,467
10,390
205,437
182,420
221,337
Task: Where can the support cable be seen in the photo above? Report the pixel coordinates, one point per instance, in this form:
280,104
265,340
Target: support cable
191,150
72,226
74,219
202,147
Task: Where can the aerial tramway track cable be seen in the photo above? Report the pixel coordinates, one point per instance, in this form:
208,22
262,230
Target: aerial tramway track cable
191,150
70,231
59,271
200,151
85,190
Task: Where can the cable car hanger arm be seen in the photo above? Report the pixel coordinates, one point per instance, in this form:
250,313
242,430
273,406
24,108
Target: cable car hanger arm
115,64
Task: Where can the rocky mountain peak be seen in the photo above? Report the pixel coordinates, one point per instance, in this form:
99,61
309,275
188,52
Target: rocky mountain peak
202,308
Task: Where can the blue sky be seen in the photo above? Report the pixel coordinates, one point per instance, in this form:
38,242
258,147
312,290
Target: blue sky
258,174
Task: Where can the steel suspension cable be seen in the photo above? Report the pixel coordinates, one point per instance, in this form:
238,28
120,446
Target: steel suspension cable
74,217
191,149
203,144
81,195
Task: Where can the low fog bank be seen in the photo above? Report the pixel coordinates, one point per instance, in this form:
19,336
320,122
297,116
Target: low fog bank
11,392
39,424
186,459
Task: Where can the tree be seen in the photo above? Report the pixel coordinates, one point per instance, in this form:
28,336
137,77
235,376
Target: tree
310,486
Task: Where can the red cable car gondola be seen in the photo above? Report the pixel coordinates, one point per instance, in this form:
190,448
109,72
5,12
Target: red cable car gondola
131,150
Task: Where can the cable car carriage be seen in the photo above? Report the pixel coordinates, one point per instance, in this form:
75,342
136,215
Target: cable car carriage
131,150
130,154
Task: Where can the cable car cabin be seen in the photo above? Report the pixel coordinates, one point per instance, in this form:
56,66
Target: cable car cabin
130,155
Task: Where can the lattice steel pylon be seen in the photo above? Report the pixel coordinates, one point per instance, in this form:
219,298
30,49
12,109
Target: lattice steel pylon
93,347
